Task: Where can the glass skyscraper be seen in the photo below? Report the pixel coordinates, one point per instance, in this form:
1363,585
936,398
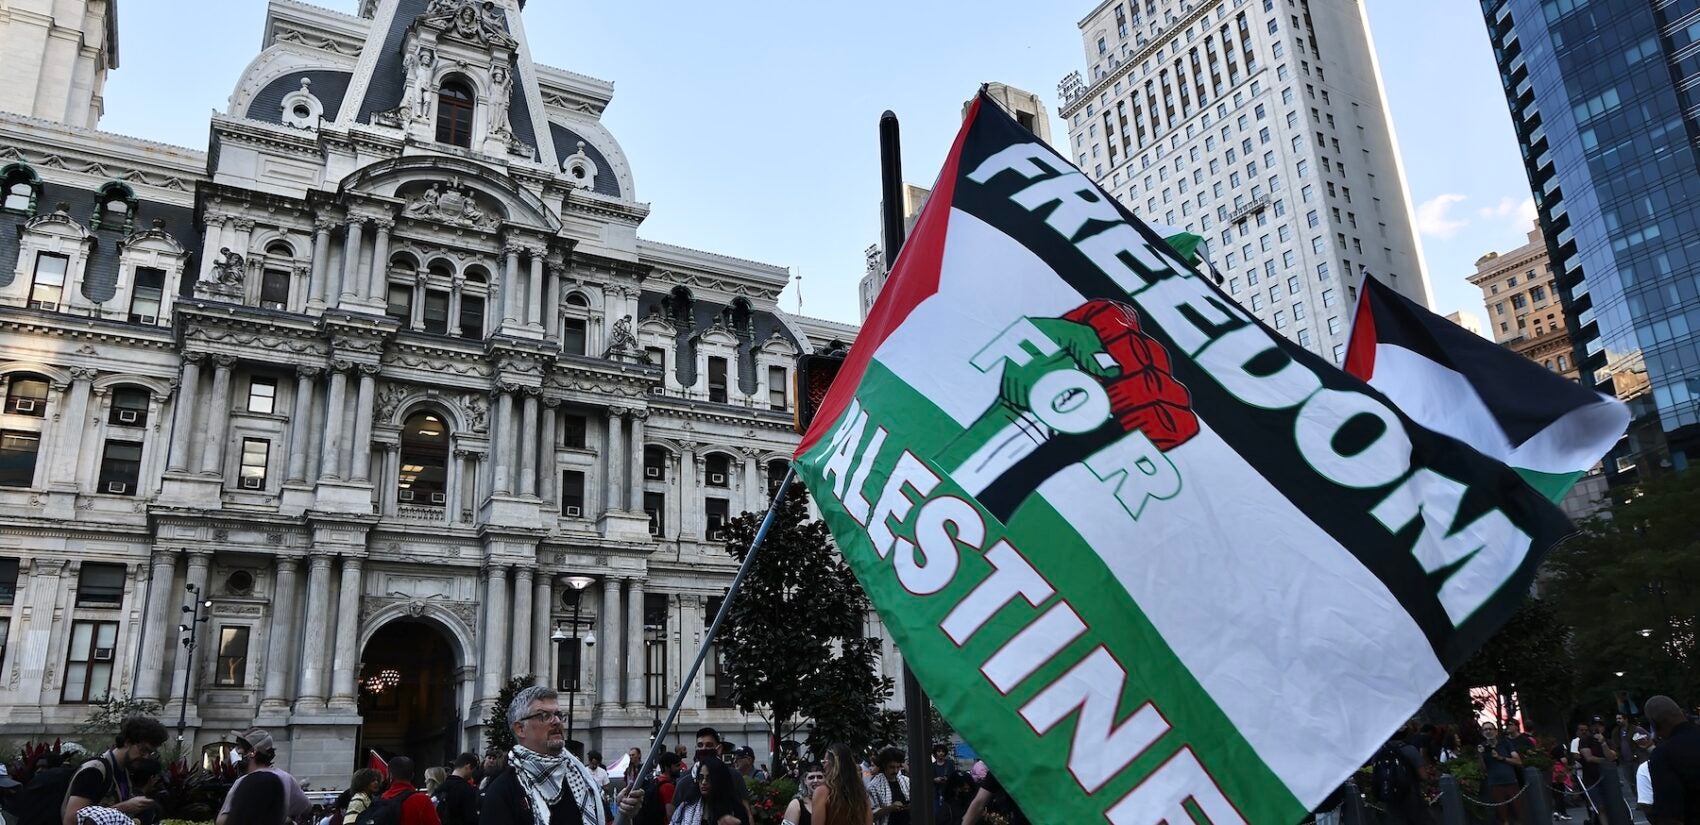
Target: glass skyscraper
1605,98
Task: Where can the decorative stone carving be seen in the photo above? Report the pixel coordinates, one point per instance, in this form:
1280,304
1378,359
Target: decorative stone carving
388,399
417,103
231,269
452,204
477,412
621,341
479,21
580,168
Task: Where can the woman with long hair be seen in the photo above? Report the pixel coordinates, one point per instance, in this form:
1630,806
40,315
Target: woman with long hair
842,799
257,800
801,811
361,791
717,801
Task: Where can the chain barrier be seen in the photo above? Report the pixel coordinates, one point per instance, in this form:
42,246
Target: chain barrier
1468,798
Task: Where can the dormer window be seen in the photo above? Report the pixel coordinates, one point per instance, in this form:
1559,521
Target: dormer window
19,188
19,196
454,113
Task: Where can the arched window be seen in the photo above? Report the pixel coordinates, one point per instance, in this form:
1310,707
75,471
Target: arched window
454,113
718,467
424,460
575,332
472,299
775,474
19,188
116,208
655,463
274,279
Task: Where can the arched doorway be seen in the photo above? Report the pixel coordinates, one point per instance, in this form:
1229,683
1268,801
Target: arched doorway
409,702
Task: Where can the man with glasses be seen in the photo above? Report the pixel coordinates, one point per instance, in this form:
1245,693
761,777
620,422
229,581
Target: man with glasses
544,784
105,780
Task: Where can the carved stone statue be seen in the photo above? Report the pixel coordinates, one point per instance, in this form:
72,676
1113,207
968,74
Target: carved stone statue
501,87
231,268
482,22
620,337
418,66
452,204
427,202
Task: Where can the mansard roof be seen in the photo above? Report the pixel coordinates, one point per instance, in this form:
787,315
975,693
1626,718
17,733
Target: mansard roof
329,86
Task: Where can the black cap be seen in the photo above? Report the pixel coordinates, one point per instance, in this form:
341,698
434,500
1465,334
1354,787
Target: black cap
1600,720
743,753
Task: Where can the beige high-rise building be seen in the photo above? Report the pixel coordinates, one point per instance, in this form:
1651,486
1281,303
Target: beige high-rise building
1523,306
1259,125
1469,321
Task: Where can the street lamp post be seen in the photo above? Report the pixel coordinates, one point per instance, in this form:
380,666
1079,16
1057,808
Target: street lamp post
189,631
578,584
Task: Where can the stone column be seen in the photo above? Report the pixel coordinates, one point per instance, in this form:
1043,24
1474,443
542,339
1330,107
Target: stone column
495,630
454,305
321,262
542,608
528,447
352,286
690,492
510,284
216,433
752,483
552,303
300,423
634,644
519,654
347,656
160,631
635,500
502,470
534,288
692,623
547,472
387,489
73,427
360,452
379,288
453,484
280,633
416,314
330,459
198,562
313,646
608,686
183,415
615,476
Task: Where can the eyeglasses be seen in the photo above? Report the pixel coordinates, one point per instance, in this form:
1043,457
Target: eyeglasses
545,715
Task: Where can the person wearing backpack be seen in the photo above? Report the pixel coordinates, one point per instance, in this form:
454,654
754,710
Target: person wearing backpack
457,797
658,792
1396,776
402,803
254,753
105,780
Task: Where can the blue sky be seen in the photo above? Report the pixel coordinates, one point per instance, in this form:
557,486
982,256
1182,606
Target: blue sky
751,126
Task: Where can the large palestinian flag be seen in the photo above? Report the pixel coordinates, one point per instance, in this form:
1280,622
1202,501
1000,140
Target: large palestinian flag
1548,428
1150,558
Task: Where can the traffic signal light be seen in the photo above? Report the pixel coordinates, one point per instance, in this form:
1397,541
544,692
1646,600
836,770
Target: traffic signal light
814,376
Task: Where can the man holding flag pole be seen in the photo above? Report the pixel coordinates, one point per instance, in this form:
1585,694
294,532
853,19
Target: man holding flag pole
1153,560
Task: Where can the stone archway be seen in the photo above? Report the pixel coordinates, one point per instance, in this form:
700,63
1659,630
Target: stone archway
409,687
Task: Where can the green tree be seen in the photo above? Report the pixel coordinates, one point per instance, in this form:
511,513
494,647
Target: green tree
497,735
1630,585
792,646
1527,659
106,717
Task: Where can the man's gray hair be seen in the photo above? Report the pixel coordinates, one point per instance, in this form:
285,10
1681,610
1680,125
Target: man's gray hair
522,704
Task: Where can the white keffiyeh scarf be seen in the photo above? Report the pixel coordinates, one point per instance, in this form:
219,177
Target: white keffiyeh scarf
545,778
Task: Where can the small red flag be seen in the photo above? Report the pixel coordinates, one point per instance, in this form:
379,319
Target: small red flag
377,763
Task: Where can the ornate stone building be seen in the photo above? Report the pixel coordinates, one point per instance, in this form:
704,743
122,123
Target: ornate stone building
380,375
1523,307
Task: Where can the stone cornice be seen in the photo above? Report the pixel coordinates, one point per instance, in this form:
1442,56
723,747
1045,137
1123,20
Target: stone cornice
91,330
274,136
57,148
1127,64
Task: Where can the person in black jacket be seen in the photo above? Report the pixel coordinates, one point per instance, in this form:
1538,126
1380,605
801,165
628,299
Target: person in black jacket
457,799
544,784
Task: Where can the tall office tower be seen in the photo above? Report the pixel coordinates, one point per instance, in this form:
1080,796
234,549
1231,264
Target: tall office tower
1524,312
1258,124
1598,98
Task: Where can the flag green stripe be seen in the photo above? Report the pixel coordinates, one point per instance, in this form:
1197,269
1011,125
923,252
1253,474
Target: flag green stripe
1034,765
1552,485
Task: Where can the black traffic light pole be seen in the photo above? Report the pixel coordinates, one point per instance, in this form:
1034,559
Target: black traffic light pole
917,710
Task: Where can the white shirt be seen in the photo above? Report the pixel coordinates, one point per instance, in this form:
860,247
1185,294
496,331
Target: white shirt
1644,784
601,775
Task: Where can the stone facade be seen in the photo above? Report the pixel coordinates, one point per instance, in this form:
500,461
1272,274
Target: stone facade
1523,309
390,354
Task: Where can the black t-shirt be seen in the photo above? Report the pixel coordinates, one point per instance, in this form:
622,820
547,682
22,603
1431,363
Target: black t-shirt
94,781
457,802
1591,770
